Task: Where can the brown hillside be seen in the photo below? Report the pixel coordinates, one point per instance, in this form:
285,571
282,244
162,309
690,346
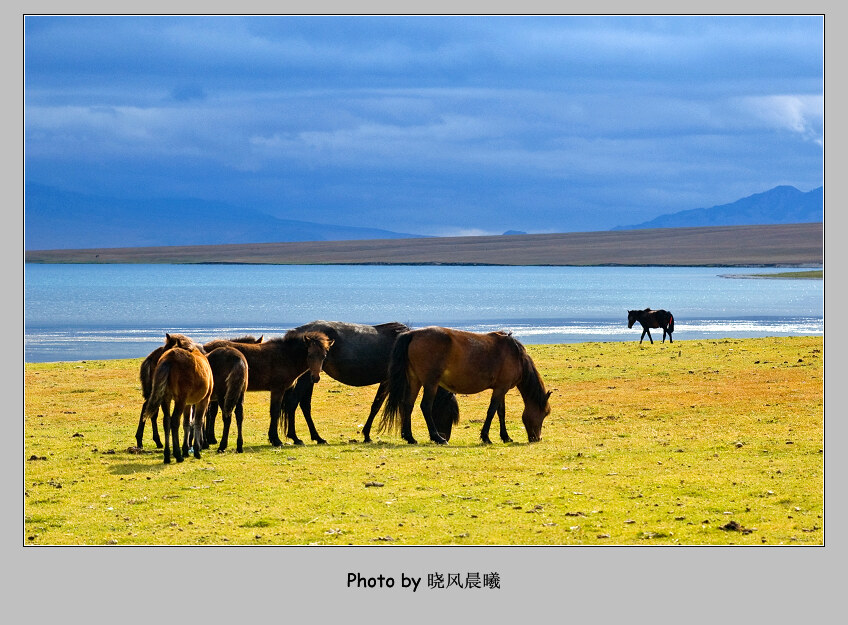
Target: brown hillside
773,245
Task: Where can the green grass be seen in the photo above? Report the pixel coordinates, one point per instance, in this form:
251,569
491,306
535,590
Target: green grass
814,274
692,443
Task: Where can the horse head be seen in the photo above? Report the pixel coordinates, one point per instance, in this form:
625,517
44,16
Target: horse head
631,317
181,341
533,416
317,347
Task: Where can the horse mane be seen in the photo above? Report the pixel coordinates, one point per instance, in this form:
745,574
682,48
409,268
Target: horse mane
395,326
300,335
530,385
247,339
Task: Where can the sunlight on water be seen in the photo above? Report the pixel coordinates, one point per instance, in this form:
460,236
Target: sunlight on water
75,312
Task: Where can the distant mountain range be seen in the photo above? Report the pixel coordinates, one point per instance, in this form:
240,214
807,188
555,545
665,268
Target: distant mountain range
781,205
56,219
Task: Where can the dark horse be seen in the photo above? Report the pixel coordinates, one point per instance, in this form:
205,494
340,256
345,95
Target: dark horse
275,365
145,376
183,376
652,319
462,362
229,372
360,357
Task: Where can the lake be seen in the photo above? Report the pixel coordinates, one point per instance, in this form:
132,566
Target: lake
87,312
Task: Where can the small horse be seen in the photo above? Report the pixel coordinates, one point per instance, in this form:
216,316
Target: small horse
652,319
462,362
276,364
359,357
183,376
230,375
145,375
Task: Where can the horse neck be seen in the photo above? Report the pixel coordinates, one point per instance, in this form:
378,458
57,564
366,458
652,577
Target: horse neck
294,351
530,384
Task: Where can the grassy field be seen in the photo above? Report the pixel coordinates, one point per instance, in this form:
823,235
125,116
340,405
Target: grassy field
690,443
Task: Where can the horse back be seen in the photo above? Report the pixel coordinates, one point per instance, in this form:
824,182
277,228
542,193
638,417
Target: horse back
189,375
463,362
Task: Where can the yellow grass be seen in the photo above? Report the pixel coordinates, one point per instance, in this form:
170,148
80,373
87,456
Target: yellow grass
691,443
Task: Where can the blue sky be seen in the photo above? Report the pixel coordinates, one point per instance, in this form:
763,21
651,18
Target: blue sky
428,125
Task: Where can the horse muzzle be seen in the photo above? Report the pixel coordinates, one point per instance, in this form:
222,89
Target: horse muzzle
316,377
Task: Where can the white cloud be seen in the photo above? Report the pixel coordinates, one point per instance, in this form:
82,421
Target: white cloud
801,114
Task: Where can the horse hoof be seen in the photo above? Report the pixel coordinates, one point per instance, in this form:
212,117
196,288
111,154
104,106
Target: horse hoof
297,441
197,455
440,441
507,439
221,450
320,441
179,458
485,441
239,450
276,443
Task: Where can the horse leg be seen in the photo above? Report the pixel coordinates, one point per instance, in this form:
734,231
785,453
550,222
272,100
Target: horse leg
494,403
306,408
427,408
155,429
139,433
199,412
211,413
649,335
276,408
175,429
502,417
379,398
226,418
239,419
291,399
406,414
187,430
166,426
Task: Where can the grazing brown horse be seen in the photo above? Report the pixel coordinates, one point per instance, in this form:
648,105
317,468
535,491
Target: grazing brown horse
183,376
465,363
276,364
229,372
145,375
652,319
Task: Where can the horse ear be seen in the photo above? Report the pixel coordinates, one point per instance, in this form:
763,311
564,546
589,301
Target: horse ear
259,340
548,396
330,343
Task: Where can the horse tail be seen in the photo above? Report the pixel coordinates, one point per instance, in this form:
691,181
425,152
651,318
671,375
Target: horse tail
236,383
670,323
398,383
159,388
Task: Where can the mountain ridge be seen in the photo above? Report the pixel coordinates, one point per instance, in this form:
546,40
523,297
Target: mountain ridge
56,219
783,204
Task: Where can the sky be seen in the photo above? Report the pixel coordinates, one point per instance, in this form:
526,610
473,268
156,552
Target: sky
428,125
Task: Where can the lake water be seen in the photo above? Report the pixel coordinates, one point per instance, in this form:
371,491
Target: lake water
79,312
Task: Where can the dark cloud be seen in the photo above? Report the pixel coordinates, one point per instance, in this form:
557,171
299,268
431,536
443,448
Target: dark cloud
439,124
